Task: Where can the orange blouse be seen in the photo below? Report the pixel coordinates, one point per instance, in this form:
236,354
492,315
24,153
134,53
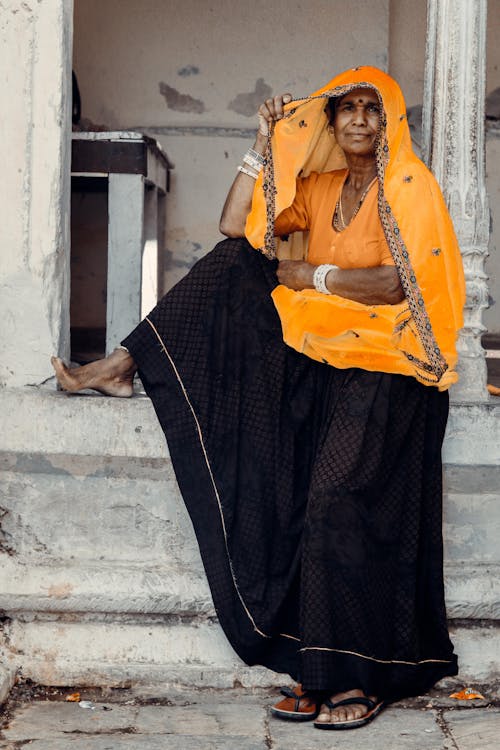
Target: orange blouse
416,337
362,244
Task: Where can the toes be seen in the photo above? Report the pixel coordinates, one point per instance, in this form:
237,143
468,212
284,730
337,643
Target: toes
344,714
324,715
56,362
58,366
355,713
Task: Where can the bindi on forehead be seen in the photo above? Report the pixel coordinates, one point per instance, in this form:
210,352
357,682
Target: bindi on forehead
360,98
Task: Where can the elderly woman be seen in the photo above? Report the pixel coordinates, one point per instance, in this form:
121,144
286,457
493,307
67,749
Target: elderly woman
304,401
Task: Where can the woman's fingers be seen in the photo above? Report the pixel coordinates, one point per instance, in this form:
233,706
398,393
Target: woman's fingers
275,105
279,101
272,110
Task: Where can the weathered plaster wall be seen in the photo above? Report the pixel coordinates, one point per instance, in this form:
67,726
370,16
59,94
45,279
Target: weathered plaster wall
193,74
407,30
34,282
492,315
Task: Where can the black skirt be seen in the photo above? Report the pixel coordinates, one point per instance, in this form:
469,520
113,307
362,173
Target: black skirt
315,493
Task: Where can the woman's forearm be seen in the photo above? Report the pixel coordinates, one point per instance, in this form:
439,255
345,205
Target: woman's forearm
239,199
370,286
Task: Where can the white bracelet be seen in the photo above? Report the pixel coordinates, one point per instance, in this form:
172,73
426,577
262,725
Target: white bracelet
251,174
252,163
252,153
319,277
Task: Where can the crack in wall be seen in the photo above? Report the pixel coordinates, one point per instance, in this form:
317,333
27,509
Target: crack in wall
5,536
24,535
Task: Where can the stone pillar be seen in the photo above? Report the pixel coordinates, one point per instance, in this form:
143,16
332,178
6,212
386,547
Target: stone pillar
454,149
35,135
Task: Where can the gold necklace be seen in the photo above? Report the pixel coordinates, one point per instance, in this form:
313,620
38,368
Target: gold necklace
338,216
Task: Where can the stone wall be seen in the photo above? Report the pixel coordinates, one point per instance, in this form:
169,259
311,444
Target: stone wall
101,581
36,40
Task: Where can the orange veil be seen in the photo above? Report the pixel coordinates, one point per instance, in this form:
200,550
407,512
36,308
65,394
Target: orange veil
416,337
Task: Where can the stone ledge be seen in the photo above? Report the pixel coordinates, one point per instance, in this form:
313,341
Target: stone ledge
59,652
39,421
111,653
80,425
26,586
109,509
135,590
472,591
473,434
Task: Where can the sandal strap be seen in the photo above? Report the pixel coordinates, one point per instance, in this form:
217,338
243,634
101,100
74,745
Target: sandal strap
363,700
290,693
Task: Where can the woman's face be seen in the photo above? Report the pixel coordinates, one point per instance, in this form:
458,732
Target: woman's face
356,122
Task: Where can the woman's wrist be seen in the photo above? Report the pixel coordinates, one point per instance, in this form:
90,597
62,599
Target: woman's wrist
260,144
320,275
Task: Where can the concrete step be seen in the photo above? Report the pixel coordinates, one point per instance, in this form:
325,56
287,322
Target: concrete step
112,532
101,580
118,651
100,426
60,587
58,505
88,588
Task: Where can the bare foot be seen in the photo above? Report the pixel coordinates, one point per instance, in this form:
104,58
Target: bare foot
112,376
344,713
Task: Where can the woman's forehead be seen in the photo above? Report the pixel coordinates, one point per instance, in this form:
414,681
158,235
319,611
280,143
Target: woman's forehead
360,95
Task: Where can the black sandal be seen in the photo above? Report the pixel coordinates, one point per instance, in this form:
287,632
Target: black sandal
373,710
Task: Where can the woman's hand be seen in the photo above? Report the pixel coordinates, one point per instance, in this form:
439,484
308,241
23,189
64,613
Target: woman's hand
296,274
239,199
270,111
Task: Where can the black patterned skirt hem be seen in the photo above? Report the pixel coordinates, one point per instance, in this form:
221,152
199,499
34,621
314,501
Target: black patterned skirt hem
315,493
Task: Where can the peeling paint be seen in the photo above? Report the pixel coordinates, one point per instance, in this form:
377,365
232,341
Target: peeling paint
40,464
248,104
180,102
188,70
60,590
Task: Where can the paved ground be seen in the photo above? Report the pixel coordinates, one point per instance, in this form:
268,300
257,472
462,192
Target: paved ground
41,719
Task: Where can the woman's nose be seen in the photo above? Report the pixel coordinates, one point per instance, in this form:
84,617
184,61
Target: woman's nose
359,116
